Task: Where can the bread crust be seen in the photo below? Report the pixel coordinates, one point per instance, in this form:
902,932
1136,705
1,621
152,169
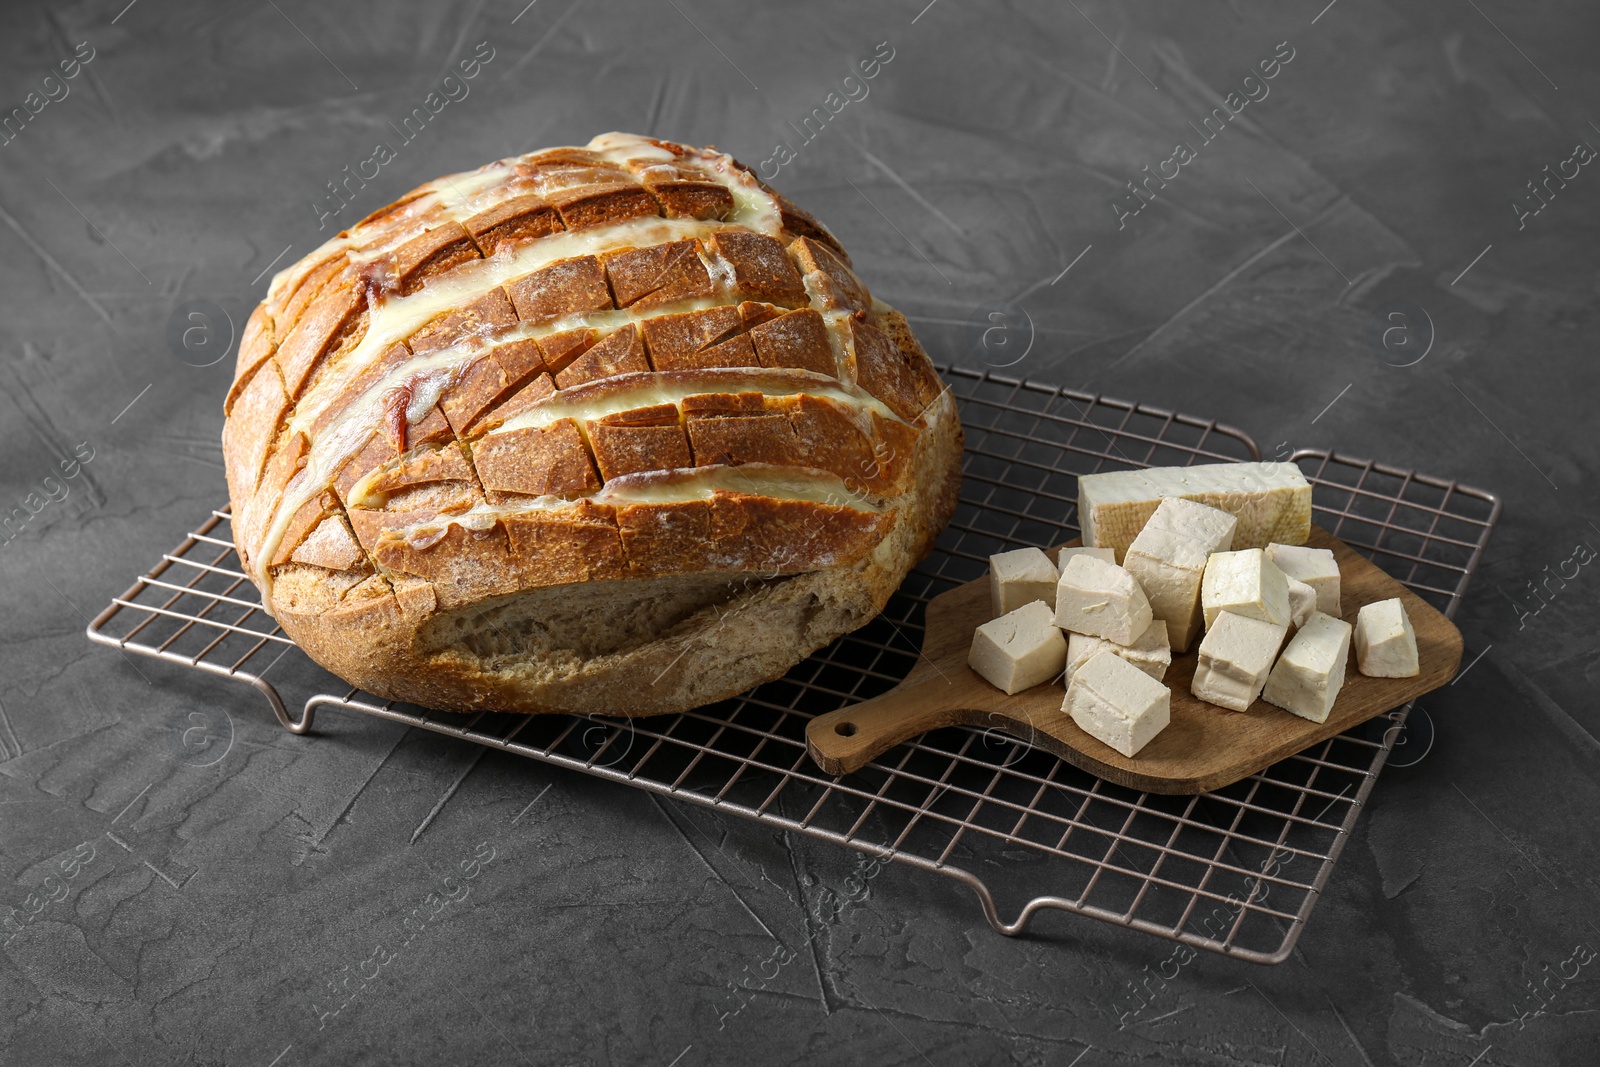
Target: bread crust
612,429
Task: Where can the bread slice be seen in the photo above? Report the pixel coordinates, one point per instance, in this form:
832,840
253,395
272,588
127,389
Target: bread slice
610,429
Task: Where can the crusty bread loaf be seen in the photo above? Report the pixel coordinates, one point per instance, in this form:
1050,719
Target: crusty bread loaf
610,429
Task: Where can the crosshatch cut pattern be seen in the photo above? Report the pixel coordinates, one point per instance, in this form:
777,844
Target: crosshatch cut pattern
1236,871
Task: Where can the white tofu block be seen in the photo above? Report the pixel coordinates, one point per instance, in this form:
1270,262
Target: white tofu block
1235,658
1308,676
1021,577
1168,558
1083,550
1020,649
1150,652
1302,603
1102,600
1272,501
1314,566
1169,567
1117,703
1386,646
1245,583
1210,526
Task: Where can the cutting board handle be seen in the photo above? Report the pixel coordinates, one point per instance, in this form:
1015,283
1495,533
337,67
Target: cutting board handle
848,739
941,690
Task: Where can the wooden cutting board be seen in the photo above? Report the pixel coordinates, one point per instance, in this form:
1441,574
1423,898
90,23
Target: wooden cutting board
1204,748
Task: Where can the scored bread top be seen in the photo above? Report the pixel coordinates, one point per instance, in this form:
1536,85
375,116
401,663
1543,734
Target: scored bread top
631,359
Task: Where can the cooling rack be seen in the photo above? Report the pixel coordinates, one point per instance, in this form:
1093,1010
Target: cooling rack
1236,871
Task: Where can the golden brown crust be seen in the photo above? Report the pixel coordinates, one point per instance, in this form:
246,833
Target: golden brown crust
643,439
518,218
619,353
256,346
302,283
568,287
331,546
661,274
574,546
529,480
798,339
761,269
445,245
489,312
489,379
390,441
897,374
248,434
690,199
699,339
552,461
601,203
321,327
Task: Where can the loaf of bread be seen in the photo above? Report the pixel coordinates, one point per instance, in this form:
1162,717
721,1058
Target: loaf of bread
612,429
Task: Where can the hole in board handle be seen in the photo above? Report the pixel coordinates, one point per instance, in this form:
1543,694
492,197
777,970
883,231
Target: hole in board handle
845,729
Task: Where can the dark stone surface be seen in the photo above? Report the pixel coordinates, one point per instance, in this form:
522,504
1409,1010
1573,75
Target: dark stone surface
227,893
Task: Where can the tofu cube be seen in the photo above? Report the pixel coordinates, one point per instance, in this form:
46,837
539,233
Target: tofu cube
1169,567
1021,577
1115,702
1212,527
1109,555
1102,600
1150,652
1020,649
1314,566
1245,583
1386,646
1235,658
1308,676
1302,603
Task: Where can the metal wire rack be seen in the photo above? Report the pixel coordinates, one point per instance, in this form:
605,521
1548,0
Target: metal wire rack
1236,871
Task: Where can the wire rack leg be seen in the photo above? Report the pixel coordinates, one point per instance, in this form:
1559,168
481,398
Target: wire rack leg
268,690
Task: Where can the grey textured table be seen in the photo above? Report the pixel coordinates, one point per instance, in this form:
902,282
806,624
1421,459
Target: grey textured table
1355,260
